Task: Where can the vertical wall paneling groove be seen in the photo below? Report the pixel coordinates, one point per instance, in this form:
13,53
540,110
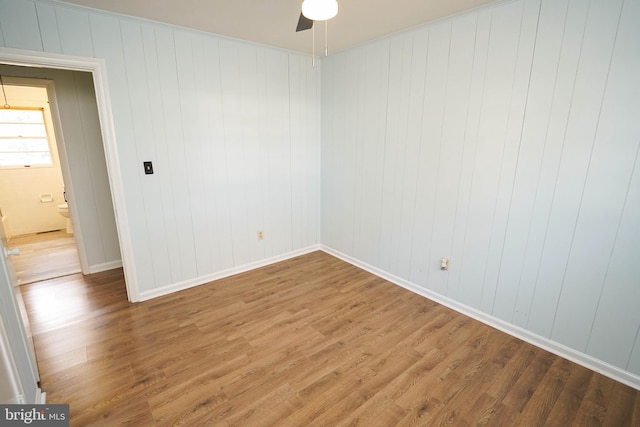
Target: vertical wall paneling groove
311,144
603,186
279,149
415,48
203,191
157,187
244,161
419,54
230,112
327,181
350,162
140,76
273,149
347,184
173,61
460,63
435,91
248,149
501,66
75,32
370,138
543,84
590,81
49,33
190,195
160,184
313,117
534,291
395,152
606,187
296,121
361,152
272,121
218,178
510,147
19,25
470,147
314,151
294,73
617,302
509,163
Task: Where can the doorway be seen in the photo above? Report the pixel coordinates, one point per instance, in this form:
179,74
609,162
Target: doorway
12,313
33,206
57,67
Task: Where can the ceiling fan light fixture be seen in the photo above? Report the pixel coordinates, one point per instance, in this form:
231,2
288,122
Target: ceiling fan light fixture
319,10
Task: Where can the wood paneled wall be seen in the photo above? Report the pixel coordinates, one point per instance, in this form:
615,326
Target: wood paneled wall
505,139
232,128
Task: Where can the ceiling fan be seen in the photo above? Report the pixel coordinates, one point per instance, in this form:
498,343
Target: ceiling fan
316,10
304,23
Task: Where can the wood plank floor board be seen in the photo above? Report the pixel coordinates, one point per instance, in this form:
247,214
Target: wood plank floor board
471,383
44,256
527,384
548,394
310,341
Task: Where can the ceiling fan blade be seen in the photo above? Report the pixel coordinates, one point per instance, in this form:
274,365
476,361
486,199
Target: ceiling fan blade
304,23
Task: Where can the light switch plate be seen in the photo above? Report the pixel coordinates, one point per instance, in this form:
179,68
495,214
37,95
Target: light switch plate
148,168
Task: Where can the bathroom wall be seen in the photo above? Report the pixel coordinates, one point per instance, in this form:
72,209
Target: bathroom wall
91,193
20,188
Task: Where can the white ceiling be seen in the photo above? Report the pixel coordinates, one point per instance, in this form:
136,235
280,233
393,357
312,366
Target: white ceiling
273,22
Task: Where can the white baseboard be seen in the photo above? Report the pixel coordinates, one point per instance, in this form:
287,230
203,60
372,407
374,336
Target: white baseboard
165,290
41,398
105,266
554,347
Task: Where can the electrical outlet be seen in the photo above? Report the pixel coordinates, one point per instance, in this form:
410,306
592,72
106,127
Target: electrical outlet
260,235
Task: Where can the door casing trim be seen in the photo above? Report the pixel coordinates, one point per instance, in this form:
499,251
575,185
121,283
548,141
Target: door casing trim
97,67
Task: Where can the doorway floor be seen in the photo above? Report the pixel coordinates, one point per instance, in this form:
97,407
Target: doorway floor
45,256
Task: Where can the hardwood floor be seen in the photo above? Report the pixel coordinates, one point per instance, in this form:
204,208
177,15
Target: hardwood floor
44,256
311,341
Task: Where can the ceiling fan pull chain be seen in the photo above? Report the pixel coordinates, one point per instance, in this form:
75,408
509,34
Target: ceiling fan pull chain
326,38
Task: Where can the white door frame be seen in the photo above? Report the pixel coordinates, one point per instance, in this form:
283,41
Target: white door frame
97,67
63,158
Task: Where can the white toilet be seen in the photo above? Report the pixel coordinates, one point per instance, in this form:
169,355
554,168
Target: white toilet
63,209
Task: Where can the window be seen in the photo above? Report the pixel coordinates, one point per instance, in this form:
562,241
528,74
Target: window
23,138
